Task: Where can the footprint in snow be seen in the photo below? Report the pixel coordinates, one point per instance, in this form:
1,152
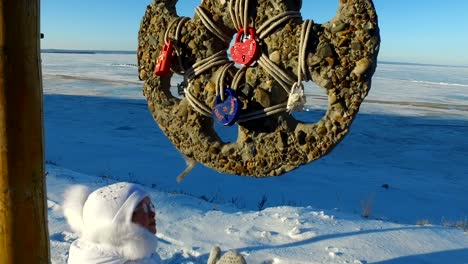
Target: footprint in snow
359,262
232,230
272,261
334,252
298,232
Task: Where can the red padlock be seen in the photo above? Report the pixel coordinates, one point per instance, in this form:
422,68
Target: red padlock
164,62
246,51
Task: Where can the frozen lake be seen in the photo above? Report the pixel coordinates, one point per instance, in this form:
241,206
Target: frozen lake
412,127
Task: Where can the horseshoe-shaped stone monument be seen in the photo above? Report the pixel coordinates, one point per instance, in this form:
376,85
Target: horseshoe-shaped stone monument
339,56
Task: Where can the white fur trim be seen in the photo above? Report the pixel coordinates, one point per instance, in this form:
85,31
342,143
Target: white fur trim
128,240
74,200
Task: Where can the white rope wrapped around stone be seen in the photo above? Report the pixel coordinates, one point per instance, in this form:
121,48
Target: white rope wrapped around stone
239,16
265,29
297,99
220,86
239,13
197,104
203,65
180,21
211,26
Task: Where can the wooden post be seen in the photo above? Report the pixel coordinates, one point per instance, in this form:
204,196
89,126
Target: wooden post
23,215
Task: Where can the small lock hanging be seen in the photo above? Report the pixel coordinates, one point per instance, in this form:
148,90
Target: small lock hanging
164,61
297,98
245,51
227,112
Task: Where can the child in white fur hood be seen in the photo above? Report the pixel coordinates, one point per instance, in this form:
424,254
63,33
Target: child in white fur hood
116,224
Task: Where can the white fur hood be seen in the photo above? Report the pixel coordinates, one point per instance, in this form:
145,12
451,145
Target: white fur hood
137,247
106,232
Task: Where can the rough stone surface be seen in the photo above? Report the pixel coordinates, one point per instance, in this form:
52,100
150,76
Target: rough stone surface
231,257
341,57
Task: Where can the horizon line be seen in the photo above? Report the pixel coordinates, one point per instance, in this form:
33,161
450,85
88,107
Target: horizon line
94,51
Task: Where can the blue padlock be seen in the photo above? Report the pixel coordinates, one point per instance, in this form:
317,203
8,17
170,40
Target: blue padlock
227,112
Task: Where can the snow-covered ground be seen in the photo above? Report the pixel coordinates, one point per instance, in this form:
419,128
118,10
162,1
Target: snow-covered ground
404,159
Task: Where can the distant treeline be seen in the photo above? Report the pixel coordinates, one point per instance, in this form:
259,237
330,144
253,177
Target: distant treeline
88,51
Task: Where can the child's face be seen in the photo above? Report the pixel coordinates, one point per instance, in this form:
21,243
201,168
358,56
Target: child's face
145,215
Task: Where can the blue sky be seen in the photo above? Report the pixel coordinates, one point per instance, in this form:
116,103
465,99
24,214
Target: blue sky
423,31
